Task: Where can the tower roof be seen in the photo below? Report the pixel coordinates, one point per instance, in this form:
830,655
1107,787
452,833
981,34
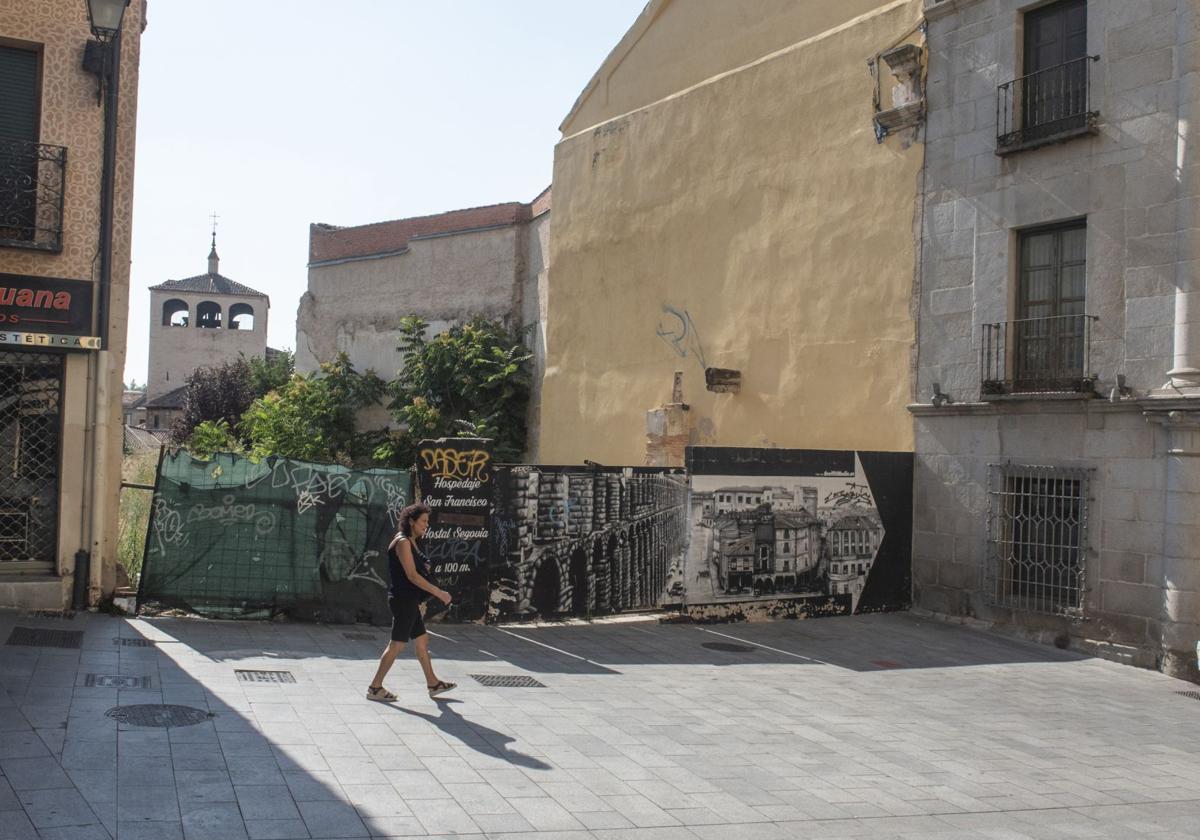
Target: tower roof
208,284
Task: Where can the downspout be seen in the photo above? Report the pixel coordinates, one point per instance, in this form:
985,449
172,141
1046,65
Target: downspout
100,389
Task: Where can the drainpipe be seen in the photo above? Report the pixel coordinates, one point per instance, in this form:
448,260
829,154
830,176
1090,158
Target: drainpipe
100,390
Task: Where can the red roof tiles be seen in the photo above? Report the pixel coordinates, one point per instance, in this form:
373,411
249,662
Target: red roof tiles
328,242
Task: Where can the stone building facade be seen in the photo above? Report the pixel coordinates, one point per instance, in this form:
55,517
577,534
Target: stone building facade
61,370
490,261
196,322
586,541
1057,492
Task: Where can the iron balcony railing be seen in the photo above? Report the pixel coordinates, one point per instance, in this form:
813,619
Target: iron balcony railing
1045,107
32,181
1038,355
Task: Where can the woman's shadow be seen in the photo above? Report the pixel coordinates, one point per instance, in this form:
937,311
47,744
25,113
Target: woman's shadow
476,736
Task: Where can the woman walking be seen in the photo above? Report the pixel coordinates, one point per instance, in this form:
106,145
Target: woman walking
408,570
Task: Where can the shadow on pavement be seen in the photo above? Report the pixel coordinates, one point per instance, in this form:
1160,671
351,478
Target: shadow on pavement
475,735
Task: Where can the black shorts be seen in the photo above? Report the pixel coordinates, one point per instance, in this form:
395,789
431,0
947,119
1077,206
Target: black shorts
406,619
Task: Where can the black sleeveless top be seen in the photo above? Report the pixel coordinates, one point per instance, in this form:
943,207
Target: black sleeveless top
401,586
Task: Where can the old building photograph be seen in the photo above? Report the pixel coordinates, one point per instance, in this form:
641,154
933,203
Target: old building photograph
778,537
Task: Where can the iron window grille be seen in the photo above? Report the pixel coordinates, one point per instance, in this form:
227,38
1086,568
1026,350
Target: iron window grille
32,181
1046,106
1037,538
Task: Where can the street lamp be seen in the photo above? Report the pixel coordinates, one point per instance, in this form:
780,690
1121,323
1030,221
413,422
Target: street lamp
105,17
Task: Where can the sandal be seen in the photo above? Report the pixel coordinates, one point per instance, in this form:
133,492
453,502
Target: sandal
381,694
441,687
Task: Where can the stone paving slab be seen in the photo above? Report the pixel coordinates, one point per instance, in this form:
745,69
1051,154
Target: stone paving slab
886,726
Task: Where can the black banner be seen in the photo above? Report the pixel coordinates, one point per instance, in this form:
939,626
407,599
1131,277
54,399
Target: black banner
455,477
46,312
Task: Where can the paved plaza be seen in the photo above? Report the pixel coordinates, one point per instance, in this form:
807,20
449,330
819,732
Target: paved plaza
884,726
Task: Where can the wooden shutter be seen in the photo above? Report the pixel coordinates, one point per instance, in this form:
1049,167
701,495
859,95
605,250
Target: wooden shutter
19,93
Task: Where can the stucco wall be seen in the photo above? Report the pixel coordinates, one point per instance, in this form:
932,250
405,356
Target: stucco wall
356,306
661,54
71,118
751,223
175,352
534,290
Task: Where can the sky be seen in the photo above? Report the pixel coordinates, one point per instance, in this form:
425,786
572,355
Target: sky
274,115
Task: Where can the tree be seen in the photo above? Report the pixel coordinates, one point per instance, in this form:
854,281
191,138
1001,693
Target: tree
313,417
471,380
271,372
212,394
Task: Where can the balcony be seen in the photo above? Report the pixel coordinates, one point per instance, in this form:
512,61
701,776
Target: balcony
1037,356
1048,106
32,177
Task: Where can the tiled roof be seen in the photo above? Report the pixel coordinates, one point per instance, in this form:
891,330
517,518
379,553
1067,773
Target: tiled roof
208,284
327,243
171,399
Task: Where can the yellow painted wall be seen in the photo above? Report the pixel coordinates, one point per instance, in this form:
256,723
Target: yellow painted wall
675,44
759,206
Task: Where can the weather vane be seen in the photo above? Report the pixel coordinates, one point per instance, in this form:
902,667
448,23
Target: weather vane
214,218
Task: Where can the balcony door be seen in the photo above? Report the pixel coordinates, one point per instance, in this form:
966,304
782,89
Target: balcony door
1055,93
1051,330
20,71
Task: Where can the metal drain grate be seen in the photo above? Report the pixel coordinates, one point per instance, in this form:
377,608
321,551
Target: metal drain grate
115,681
42,637
1195,695
361,637
507,681
158,715
64,615
129,641
265,676
727,647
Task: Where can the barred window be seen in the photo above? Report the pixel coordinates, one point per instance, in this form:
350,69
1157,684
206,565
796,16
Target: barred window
1037,538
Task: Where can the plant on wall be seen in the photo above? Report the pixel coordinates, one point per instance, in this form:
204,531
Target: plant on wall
313,417
471,380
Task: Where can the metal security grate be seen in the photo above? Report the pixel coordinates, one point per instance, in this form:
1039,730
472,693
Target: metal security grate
115,681
1037,537
42,637
361,637
507,681
265,676
1195,695
128,641
727,647
158,715
63,615
30,396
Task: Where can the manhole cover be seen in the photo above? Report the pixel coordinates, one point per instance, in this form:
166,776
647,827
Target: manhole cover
115,681
158,715
727,647
65,615
507,681
129,641
265,676
361,637
41,637
1195,695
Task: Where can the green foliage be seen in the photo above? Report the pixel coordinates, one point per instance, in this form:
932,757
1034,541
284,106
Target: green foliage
134,512
312,417
212,436
272,372
472,380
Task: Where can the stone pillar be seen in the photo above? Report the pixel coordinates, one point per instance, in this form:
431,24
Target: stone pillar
1185,370
1181,547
